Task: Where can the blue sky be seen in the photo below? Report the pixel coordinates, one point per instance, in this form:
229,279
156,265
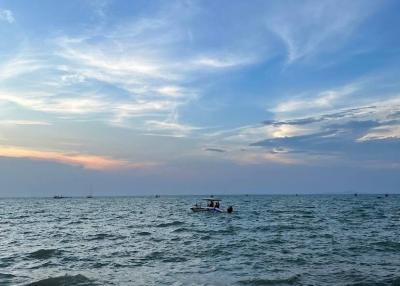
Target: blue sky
144,97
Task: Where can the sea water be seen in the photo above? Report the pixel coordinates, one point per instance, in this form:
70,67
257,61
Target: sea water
267,240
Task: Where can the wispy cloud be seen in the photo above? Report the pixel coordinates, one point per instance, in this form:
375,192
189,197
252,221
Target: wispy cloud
47,102
136,68
222,62
7,16
23,122
141,68
212,149
347,135
236,145
382,132
363,133
324,100
255,157
18,66
170,90
170,128
311,28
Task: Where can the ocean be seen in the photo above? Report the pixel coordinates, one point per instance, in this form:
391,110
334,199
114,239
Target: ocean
267,240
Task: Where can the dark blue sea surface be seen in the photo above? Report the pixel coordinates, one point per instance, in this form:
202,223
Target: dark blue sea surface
267,240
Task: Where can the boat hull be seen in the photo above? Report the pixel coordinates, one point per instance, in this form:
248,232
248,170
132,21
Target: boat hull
206,209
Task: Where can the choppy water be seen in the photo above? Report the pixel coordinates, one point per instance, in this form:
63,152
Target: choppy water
269,240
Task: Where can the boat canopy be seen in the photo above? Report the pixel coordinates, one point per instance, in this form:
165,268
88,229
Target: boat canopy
212,199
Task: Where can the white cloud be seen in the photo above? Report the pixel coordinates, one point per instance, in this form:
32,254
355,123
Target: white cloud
137,68
169,128
242,137
19,66
53,104
72,78
327,99
7,16
221,62
137,65
109,60
377,120
381,133
116,111
255,157
169,90
23,122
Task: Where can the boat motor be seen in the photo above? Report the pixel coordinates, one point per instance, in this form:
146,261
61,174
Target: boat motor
230,209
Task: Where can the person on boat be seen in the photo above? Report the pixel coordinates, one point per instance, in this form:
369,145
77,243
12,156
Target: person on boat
217,205
211,205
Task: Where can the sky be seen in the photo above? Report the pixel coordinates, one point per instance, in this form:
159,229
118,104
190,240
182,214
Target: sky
199,97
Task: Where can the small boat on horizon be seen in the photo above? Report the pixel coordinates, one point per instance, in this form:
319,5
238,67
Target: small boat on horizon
58,197
213,205
90,195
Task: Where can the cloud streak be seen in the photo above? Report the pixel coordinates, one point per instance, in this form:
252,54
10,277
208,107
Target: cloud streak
24,122
310,28
324,100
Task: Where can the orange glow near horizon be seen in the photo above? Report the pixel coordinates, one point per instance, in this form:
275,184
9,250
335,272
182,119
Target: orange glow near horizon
92,162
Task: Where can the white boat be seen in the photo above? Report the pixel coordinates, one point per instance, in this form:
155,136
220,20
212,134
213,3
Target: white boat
213,205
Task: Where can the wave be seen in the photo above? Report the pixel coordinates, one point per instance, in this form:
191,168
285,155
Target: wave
44,253
101,236
262,281
388,245
175,259
144,233
20,217
275,227
215,252
6,276
78,280
181,229
388,282
230,230
154,255
174,223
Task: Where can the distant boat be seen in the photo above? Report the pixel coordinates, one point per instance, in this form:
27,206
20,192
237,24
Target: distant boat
58,197
157,196
213,205
90,195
